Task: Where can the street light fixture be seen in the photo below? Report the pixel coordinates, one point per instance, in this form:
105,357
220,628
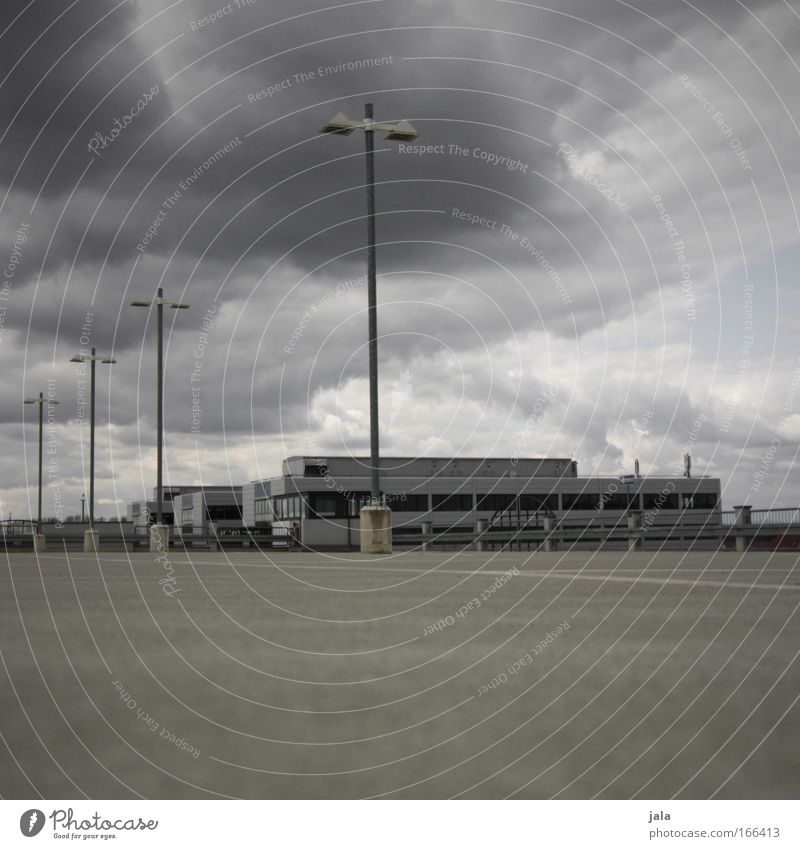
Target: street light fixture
376,531
341,125
38,540
158,531
90,537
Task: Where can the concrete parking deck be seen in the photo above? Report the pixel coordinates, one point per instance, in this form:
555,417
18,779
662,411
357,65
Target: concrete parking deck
612,675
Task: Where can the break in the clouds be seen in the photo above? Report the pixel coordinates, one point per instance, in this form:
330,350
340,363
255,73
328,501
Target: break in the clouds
588,252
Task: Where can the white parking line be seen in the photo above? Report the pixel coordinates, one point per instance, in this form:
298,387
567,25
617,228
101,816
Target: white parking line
643,576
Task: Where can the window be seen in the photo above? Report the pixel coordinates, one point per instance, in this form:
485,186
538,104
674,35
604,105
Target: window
494,501
263,510
354,501
662,500
166,518
458,502
529,502
227,511
699,501
580,500
619,500
413,503
323,505
397,502
288,507
316,470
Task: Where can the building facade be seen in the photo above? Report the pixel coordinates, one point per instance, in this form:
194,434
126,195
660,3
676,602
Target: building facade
323,496
142,514
208,510
192,509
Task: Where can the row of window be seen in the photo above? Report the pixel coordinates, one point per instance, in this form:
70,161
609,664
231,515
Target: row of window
287,507
527,502
342,505
225,511
662,500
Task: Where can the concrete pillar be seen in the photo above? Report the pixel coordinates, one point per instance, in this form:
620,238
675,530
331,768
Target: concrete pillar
159,538
91,541
39,543
480,529
427,531
376,530
634,524
742,518
549,544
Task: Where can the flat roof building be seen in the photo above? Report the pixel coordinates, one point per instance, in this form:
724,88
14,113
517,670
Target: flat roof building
208,510
191,508
323,495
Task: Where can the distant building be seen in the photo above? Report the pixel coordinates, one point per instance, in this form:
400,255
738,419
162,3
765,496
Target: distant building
324,495
192,509
143,513
209,510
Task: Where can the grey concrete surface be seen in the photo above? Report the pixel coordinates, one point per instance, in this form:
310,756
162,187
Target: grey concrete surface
301,675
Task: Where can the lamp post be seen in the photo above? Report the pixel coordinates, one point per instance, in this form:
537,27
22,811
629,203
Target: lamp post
83,504
376,530
38,539
159,530
91,537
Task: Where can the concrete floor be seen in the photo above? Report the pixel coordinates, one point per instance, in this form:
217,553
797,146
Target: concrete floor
310,676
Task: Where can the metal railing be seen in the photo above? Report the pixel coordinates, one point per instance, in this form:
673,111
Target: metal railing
19,534
775,529
776,516
14,528
740,529
277,538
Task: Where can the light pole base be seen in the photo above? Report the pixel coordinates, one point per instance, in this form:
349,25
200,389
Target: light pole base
91,541
159,537
39,542
376,530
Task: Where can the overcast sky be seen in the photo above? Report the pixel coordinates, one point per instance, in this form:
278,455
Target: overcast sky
592,256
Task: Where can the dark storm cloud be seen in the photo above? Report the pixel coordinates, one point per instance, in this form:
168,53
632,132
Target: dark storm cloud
260,189
191,134
71,72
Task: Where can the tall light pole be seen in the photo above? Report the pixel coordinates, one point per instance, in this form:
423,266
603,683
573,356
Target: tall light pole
90,537
38,541
376,536
156,535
